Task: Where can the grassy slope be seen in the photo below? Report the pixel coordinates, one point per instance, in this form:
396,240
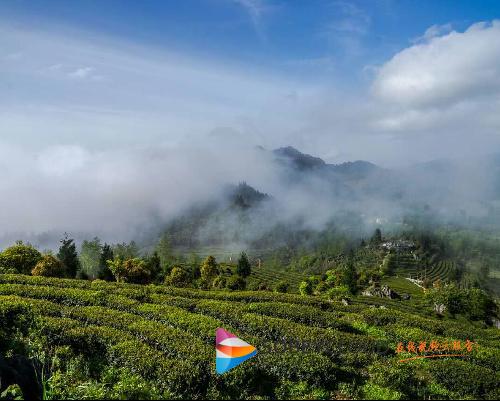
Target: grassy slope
307,346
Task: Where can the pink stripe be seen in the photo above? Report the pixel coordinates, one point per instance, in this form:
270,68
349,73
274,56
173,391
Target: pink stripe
221,335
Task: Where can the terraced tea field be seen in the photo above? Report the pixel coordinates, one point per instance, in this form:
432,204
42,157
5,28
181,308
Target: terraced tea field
272,277
163,338
406,266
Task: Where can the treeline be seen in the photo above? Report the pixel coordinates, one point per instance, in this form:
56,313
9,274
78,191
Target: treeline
124,262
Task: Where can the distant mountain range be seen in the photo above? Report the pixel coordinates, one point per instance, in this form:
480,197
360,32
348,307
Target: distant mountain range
303,162
309,189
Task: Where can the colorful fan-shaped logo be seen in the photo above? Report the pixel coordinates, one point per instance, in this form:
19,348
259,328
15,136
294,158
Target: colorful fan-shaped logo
231,351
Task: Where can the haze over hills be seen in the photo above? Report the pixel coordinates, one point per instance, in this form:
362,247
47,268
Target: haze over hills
283,186
312,194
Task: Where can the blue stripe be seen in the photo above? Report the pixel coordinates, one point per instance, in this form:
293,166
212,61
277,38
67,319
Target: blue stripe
222,365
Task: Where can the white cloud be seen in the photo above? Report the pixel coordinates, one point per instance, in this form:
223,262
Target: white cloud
82,72
148,94
58,161
434,31
457,67
106,157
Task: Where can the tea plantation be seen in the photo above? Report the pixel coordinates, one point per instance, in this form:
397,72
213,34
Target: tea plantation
110,340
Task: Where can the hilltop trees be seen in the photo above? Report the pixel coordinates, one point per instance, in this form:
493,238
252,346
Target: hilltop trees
209,270
68,256
130,270
20,258
153,264
126,251
104,271
164,251
90,258
178,277
243,269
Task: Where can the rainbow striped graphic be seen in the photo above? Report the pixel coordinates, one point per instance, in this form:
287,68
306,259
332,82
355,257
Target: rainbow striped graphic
231,351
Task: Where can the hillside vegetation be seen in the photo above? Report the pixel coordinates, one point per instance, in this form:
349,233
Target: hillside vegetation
95,339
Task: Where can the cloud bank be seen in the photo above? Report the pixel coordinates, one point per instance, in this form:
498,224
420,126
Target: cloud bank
102,136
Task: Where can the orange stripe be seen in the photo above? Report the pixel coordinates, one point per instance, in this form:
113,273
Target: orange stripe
235,352
430,356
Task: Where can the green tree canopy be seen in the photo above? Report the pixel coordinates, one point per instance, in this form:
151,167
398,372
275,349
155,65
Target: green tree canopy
164,250
235,283
20,258
90,257
126,251
50,266
153,263
178,277
68,256
209,270
130,270
104,271
243,269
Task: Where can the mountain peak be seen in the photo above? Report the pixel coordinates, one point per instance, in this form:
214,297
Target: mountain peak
299,160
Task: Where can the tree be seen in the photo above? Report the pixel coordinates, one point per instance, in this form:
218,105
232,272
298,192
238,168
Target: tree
209,270
68,256
153,263
178,277
479,305
90,257
350,276
126,251
165,253
130,270
195,264
50,266
450,296
105,272
376,237
243,269
20,258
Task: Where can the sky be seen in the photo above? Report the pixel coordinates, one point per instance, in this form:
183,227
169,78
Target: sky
334,78
94,94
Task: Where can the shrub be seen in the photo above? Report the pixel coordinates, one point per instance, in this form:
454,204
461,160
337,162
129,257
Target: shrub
50,266
282,286
463,378
235,283
306,288
19,258
338,292
130,270
178,277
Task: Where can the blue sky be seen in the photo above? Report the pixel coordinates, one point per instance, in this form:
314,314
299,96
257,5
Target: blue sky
335,38
340,79
111,108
